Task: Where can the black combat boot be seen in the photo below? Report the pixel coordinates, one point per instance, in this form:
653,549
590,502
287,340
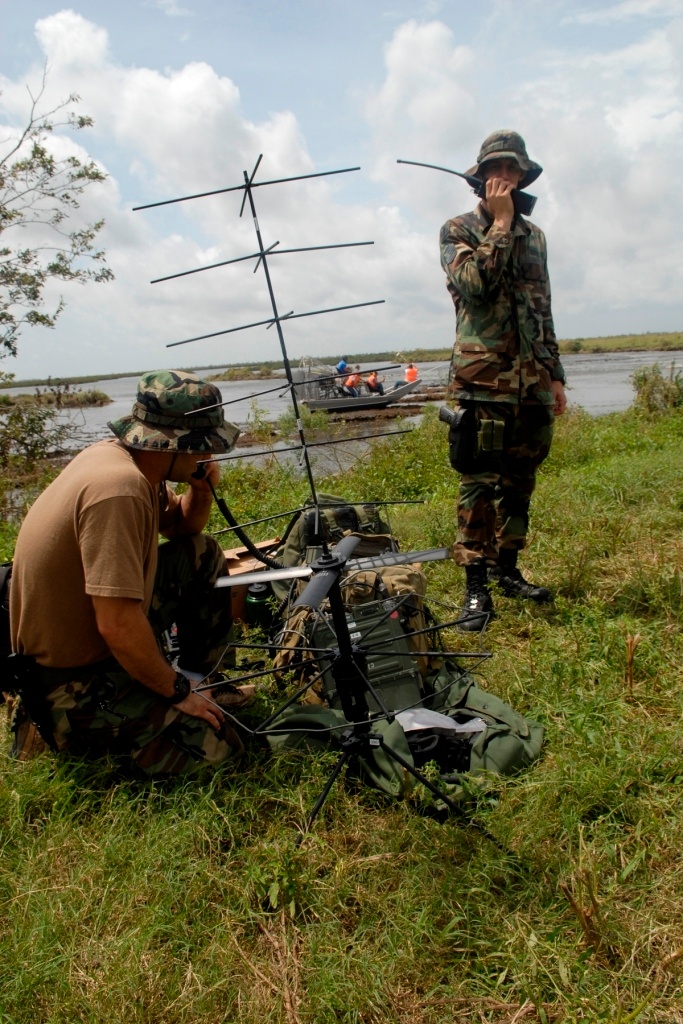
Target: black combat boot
477,603
512,583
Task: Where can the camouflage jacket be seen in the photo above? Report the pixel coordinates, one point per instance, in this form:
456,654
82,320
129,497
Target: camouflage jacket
505,348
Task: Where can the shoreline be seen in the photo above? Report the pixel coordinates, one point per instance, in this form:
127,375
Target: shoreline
671,341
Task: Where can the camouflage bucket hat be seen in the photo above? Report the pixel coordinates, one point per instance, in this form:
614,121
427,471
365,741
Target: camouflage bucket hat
506,144
159,421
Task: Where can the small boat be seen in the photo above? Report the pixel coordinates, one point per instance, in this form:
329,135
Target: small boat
319,387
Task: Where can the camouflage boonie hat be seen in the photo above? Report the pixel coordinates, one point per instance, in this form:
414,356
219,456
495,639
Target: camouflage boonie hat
159,421
507,144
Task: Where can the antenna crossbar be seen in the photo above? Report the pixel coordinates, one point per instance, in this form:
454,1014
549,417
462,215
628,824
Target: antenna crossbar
270,251
303,447
275,320
246,185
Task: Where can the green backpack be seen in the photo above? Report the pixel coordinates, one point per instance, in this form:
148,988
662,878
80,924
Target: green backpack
337,518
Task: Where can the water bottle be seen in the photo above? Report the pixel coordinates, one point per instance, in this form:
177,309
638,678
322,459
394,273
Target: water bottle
257,607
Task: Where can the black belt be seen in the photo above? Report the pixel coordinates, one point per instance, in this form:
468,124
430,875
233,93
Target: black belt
51,677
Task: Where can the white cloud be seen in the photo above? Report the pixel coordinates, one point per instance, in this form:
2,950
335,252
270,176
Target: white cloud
70,42
173,10
426,107
604,123
180,132
625,11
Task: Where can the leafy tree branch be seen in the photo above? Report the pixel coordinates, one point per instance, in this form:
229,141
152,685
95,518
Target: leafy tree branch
39,190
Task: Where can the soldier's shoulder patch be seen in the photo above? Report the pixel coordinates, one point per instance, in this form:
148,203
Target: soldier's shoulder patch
448,252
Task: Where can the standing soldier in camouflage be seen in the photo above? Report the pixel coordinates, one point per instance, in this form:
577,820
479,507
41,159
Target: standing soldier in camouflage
92,591
506,373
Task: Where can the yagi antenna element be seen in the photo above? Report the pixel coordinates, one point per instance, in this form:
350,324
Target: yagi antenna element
262,255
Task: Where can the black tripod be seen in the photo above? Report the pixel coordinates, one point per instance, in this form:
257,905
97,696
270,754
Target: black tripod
349,670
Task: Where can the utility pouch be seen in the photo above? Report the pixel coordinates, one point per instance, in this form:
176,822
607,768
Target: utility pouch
462,439
490,435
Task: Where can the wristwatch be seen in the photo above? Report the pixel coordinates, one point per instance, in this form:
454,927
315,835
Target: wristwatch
182,687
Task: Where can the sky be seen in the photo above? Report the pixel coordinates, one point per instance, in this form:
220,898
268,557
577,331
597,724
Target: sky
186,94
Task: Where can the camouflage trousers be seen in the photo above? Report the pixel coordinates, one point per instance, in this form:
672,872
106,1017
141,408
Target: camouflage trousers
99,709
493,501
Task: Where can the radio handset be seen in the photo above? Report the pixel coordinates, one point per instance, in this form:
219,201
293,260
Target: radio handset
524,203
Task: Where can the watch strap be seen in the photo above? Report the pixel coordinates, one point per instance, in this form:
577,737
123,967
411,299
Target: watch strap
182,687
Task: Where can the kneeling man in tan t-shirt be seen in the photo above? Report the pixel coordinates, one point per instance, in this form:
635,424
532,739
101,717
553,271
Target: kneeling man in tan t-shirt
92,589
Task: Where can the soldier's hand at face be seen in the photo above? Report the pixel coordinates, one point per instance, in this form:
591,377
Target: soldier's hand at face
211,473
499,201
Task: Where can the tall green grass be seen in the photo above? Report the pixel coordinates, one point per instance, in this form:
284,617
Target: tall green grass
560,899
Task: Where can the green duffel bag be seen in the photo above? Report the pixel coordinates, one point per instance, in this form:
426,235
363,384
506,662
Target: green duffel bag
509,743
487,738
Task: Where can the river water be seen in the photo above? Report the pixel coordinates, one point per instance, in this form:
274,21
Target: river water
600,383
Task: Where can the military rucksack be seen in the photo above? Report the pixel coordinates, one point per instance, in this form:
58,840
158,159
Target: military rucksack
334,518
367,595
443,717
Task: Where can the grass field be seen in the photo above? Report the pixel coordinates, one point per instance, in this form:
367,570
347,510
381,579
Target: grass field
560,898
651,342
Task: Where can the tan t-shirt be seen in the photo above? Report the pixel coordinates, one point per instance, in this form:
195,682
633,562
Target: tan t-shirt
92,532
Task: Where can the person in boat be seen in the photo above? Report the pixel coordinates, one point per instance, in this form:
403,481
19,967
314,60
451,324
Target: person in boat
411,373
374,384
93,591
505,370
351,385
342,366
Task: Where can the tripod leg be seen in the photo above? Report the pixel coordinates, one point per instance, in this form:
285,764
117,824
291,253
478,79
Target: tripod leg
343,758
422,778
